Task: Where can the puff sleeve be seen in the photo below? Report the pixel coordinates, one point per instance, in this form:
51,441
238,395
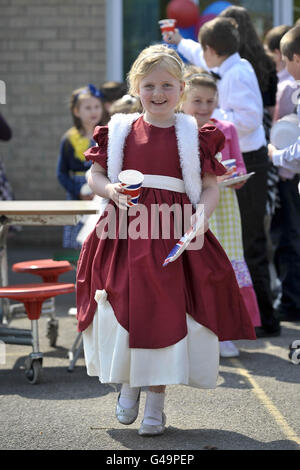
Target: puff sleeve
98,153
212,141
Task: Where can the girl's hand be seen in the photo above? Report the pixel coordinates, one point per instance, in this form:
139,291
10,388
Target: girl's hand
203,227
226,176
86,197
115,192
271,150
172,38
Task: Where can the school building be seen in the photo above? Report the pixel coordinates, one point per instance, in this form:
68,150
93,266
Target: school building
50,47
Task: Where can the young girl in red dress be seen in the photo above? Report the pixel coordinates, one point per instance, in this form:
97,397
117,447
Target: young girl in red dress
145,325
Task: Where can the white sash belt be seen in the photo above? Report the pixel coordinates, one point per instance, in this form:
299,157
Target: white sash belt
164,182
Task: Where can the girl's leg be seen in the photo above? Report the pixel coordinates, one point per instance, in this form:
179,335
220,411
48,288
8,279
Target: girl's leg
127,408
154,406
128,396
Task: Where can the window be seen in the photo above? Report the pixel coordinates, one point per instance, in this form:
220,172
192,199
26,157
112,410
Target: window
140,27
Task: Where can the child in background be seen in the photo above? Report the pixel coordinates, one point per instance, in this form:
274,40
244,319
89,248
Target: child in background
112,91
87,111
126,104
225,222
285,224
289,158
286,83
145,325
240,102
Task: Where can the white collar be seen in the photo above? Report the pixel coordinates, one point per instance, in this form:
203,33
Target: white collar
228,63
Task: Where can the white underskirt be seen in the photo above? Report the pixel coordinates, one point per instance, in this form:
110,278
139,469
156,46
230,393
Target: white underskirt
193,361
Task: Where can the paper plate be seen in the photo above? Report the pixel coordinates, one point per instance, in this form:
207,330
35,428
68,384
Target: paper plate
285,132
184,240
236,179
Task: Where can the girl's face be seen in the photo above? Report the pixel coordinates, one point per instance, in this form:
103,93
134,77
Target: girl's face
200,103
160,92
89,111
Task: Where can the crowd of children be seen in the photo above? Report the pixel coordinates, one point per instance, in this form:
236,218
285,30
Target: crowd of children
145,325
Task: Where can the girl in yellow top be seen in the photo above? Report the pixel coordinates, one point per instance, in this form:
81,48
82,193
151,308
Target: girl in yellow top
87,111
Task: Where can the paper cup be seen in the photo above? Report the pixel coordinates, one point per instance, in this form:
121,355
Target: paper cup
167,27
230,165
131,181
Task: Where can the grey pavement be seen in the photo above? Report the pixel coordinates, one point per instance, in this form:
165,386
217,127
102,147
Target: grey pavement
254,407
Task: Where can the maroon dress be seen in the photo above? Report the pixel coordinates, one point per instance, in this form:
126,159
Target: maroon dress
151,301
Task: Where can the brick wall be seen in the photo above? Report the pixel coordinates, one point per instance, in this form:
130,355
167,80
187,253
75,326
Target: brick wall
47,49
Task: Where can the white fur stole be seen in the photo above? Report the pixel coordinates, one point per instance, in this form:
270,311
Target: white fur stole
188,148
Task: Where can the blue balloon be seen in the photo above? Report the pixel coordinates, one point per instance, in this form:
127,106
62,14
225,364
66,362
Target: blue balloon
189,33
216,8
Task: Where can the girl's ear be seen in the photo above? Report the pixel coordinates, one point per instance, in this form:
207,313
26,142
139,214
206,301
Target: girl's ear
296,58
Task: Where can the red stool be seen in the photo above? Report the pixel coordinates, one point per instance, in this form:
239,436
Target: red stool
49,270
32,296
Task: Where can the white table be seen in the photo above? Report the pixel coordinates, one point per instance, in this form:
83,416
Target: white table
34,213
38,213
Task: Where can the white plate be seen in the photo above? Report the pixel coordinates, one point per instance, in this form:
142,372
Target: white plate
236,179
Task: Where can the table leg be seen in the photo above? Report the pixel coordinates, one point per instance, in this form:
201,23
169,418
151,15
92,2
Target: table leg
4,314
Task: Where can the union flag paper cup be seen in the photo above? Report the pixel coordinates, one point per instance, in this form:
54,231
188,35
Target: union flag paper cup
230,165
131,181
167,25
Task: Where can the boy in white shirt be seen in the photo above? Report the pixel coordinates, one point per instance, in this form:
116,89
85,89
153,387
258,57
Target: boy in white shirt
289,157
285,226
240,102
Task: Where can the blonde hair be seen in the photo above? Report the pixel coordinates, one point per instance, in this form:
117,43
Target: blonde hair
195,76
149,58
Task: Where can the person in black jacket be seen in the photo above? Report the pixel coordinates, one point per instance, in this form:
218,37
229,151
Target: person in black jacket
6,193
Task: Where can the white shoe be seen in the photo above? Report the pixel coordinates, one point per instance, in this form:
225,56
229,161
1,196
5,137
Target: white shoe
153,429
127,415
228,349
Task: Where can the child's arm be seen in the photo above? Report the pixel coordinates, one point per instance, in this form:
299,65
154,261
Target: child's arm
288,158
63,169
190,49
100,185
209,197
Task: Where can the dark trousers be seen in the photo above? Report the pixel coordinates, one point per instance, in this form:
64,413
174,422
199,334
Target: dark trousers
285,235
252,198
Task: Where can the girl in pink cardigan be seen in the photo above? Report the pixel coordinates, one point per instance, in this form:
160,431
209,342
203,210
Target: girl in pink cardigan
200,101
